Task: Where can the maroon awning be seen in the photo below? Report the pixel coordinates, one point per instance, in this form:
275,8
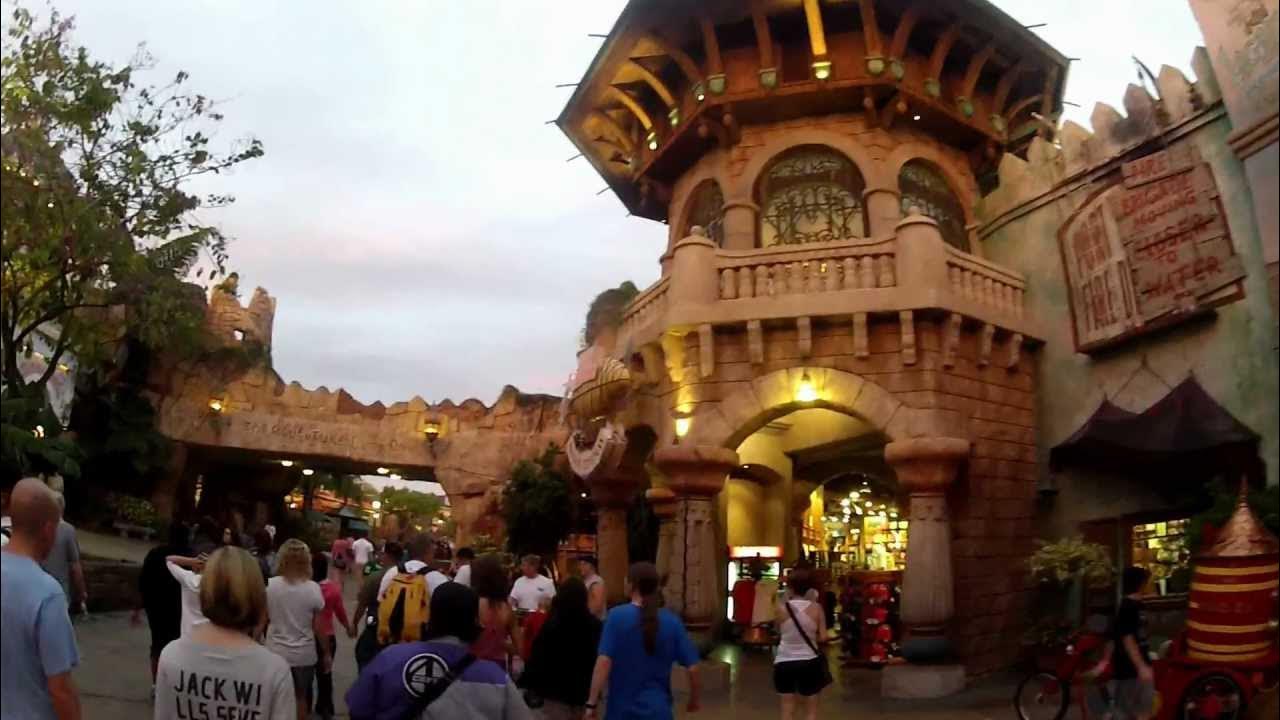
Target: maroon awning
1186,427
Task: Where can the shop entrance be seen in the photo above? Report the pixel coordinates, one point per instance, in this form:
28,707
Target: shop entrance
813,485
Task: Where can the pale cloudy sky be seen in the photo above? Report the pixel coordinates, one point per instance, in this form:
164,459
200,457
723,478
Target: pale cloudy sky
414,217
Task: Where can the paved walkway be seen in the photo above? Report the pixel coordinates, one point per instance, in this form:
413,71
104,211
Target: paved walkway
115,683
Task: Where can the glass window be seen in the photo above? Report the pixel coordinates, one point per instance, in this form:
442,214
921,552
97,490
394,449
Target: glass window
923,186
1161,548
706,208
810,194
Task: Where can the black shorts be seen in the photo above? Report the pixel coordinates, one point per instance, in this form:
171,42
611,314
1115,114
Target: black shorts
163,632
799,677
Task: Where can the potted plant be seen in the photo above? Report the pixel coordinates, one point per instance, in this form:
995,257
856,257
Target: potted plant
1063,569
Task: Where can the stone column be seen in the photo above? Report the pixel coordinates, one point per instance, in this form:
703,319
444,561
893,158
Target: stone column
694,279
611,495
695,474
740,221
663,502
925,467
883,207
800,501
921,255
467,505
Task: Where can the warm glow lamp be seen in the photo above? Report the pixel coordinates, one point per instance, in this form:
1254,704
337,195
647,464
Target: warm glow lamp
822,69
805,391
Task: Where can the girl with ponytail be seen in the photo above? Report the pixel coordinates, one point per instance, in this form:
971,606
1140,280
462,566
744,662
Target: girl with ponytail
643,641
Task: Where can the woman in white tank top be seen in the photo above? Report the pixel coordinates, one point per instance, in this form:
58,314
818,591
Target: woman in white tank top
798,672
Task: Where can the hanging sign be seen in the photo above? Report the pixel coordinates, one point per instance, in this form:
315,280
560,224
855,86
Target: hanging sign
1148,250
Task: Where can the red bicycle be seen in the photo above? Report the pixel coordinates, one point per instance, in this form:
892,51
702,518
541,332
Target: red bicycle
1047,695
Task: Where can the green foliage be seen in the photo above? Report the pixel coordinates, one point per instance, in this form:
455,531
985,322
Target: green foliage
31,438
124,438
606,310
133,510
344,487
100,231
536,506
412,507
1265,504
484,544
1063,560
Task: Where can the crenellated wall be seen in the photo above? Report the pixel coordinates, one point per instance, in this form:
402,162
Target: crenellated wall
1230,351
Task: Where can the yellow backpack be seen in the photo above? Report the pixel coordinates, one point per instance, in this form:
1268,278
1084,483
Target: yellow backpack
404,610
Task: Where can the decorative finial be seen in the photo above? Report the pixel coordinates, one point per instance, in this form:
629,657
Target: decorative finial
698,230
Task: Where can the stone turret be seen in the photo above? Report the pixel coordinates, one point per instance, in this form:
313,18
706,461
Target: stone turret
234,323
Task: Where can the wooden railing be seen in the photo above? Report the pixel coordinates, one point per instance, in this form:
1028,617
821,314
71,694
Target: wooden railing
806,269
986,283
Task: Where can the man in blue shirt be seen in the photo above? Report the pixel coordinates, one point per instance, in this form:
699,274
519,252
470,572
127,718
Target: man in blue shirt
37,644
638,646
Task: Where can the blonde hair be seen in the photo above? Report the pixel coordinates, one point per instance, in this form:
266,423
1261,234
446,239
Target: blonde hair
294,560
232,592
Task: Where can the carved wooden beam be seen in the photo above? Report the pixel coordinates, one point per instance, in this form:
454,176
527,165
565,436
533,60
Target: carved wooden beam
817,35
764,38
711,46
617,128
907,320
870,30
869,107
902,33
938,58
1019,106
951,340
681,58
974,70
656,83
896,106
614,93
1004,85
755,342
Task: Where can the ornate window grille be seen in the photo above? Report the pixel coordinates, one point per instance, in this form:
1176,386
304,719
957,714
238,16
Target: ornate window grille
921,185
810,194
706,208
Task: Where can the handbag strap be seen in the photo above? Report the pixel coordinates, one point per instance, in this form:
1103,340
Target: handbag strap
800,628
424,700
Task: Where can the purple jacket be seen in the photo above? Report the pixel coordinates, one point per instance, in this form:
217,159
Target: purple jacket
388,686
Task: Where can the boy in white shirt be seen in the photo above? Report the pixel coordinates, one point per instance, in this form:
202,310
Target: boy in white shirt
530,588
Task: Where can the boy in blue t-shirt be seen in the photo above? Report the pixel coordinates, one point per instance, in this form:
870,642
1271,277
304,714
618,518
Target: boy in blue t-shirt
638,646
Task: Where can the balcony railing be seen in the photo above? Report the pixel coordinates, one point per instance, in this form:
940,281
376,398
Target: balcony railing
911,269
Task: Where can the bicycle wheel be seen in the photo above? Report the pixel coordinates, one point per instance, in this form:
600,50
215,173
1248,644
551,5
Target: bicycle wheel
1216,696
1042,696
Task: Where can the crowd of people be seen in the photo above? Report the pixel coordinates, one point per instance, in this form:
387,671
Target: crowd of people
247,628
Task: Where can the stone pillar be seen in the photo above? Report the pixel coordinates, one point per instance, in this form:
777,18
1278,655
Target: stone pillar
921,255
740,221
883,207
611,495
925,467
694,279
164,496
663,502
800,501
467,505
695,474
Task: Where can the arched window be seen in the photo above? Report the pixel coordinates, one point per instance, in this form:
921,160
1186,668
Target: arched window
922,186
706,208
810,194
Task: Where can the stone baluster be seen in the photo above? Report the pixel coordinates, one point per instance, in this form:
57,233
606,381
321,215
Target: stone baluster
866,272
763,286
795,278
830,276
812,277
969,289
988,292
1018,302
695,474
849,274
745,289
728,285
957,280
884,276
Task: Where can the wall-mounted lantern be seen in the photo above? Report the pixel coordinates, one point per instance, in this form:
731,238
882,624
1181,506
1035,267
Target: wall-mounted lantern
805,391
431,431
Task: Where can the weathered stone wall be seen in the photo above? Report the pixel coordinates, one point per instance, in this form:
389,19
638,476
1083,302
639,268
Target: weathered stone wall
1231,353
951,387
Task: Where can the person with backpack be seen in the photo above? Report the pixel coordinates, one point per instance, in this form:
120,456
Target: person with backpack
367,605
438,678
405,594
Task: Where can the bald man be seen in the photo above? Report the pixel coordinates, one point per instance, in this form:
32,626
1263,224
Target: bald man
38,644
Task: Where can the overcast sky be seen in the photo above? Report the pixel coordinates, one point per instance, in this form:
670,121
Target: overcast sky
413,215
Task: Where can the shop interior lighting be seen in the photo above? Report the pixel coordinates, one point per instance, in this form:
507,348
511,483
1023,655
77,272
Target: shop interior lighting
287,463
308,472
383,471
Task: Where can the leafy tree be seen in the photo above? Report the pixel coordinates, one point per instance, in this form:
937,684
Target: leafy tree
1265,504
343,487
99,222
412,507
606,310
536,506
